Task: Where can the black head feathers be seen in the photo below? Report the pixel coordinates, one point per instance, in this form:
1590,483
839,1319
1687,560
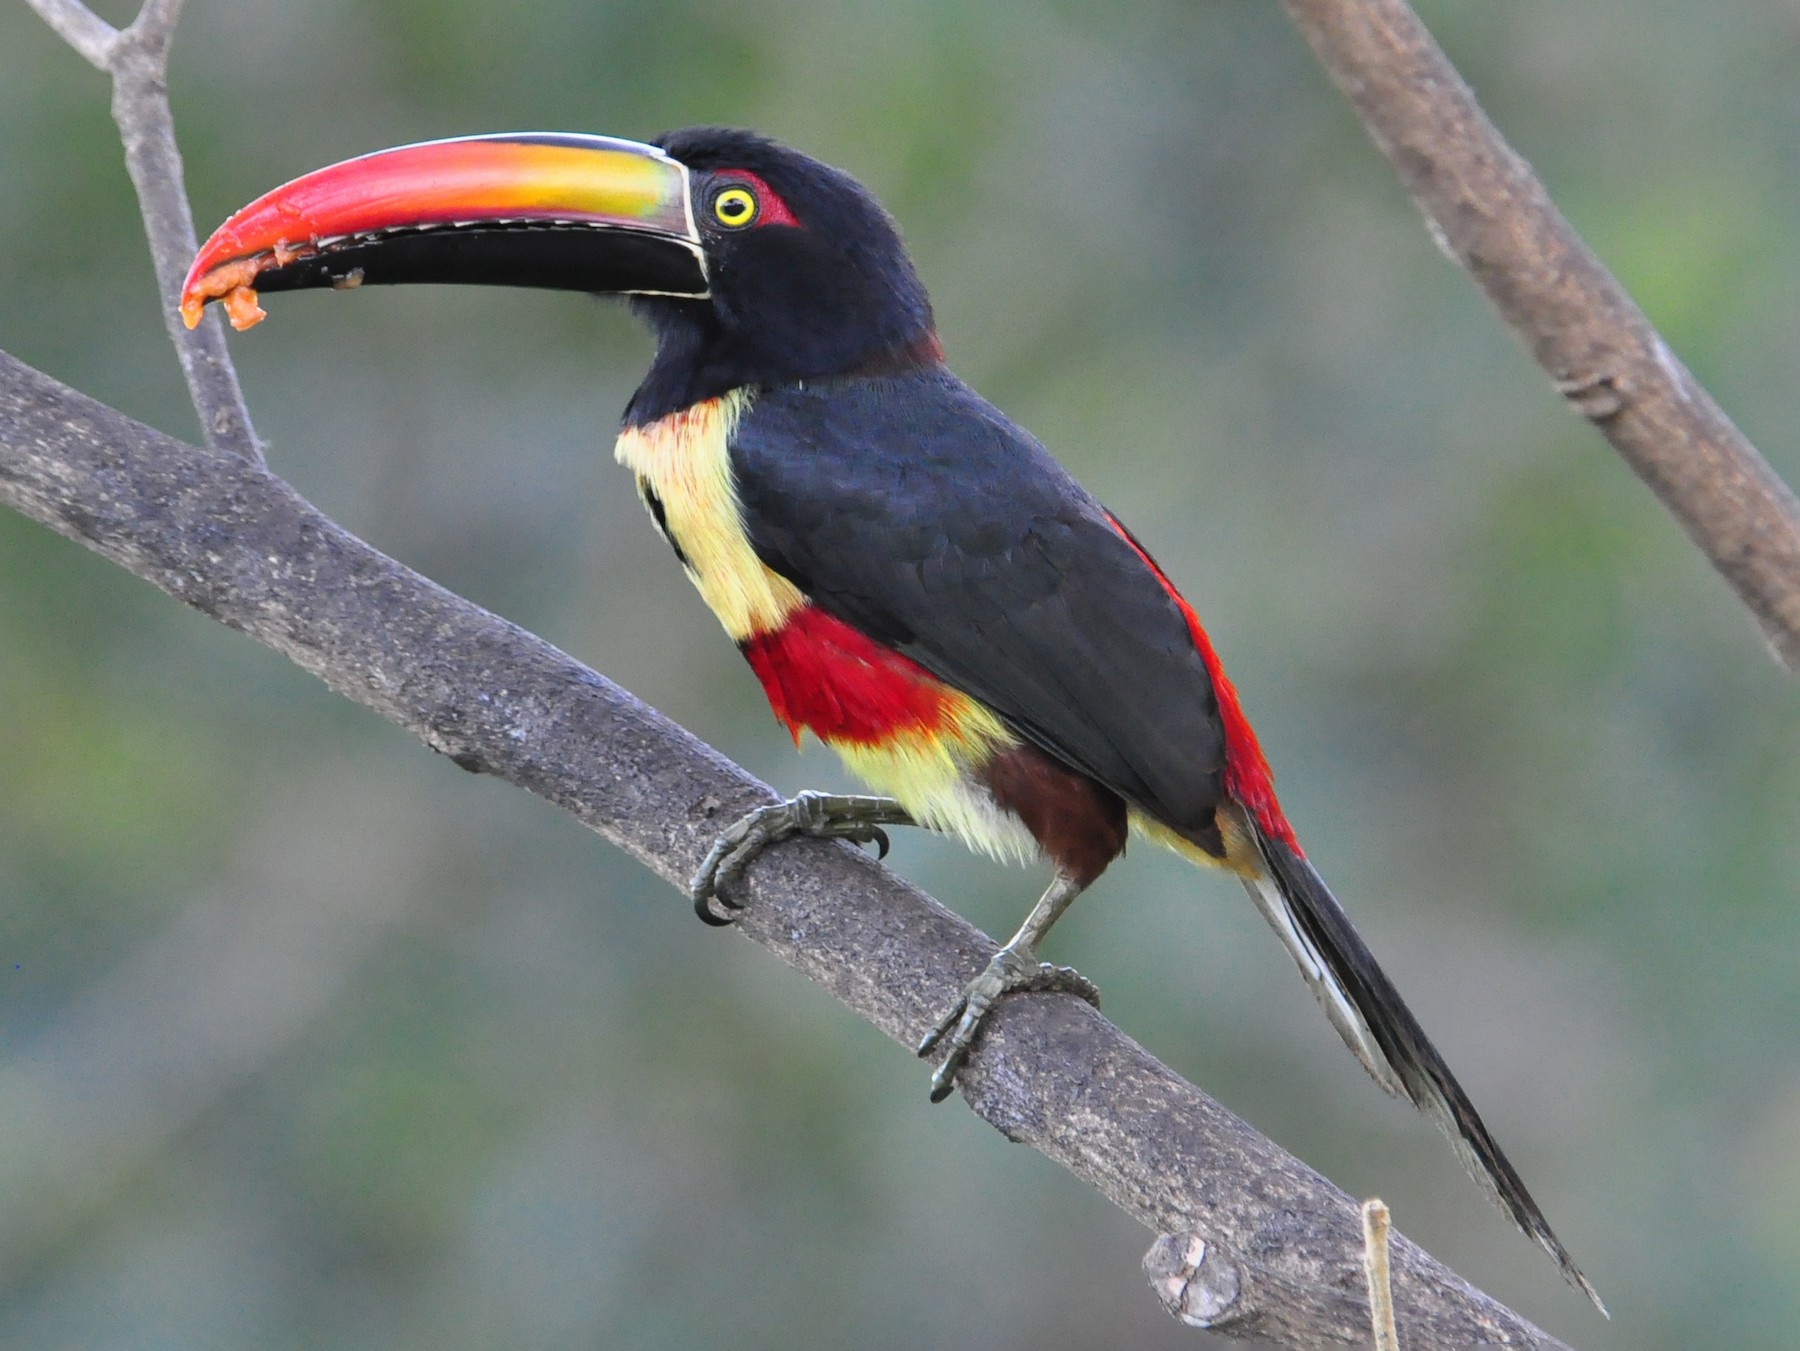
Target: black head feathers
809,277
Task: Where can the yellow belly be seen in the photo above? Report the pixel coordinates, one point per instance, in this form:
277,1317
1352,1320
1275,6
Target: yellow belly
933,779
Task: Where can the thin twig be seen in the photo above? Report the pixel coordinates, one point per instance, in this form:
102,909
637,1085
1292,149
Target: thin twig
1492,214
157,19
238,544
81,28
138,61
1375,1268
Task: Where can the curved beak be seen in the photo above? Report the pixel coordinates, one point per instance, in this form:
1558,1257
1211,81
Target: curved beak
563,211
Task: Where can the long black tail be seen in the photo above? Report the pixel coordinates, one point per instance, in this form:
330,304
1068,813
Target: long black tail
1375,1023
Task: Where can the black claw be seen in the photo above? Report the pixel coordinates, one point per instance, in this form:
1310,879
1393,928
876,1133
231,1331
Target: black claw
811,814
703,908
941,1091
935,1038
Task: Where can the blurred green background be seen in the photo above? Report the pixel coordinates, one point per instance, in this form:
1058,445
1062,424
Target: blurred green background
309,1039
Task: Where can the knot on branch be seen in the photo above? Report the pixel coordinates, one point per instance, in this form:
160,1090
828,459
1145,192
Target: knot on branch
1596,396
1194,1279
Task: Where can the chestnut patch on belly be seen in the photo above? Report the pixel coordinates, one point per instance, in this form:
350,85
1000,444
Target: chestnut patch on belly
1078,823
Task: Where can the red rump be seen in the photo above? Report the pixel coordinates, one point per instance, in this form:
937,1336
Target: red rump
770,209
822,675
1247,775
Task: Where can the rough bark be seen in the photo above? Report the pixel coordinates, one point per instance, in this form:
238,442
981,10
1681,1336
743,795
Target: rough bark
234,541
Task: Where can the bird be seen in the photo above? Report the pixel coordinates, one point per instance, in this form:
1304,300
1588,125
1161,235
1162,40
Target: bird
910,575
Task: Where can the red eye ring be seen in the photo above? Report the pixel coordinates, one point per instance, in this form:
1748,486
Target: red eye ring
770,209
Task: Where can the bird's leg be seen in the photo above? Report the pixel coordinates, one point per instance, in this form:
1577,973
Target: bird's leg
822,816
1014,968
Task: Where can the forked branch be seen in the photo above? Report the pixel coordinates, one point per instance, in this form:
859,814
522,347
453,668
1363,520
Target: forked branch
137,59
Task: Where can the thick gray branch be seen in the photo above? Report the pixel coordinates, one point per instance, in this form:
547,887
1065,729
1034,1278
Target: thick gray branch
238,544
1493,215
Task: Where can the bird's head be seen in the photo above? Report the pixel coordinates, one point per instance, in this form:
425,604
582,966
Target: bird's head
753,263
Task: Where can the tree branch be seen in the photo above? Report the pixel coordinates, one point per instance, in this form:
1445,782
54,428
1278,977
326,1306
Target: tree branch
1489,212
138,61
1283,1246
1258,1245
81,28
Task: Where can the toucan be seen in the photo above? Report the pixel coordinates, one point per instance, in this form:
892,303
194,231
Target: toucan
910,575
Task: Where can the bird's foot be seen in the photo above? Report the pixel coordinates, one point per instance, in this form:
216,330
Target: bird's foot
823,816
1012,971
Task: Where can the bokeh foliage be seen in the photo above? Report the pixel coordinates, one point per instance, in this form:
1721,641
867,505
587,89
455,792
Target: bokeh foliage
306,1038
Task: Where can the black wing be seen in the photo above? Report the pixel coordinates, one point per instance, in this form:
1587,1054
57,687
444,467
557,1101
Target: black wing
914,511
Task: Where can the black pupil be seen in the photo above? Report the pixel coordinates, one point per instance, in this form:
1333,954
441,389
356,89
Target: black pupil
736,204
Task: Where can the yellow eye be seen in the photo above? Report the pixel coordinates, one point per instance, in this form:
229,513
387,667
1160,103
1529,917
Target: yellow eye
734,207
